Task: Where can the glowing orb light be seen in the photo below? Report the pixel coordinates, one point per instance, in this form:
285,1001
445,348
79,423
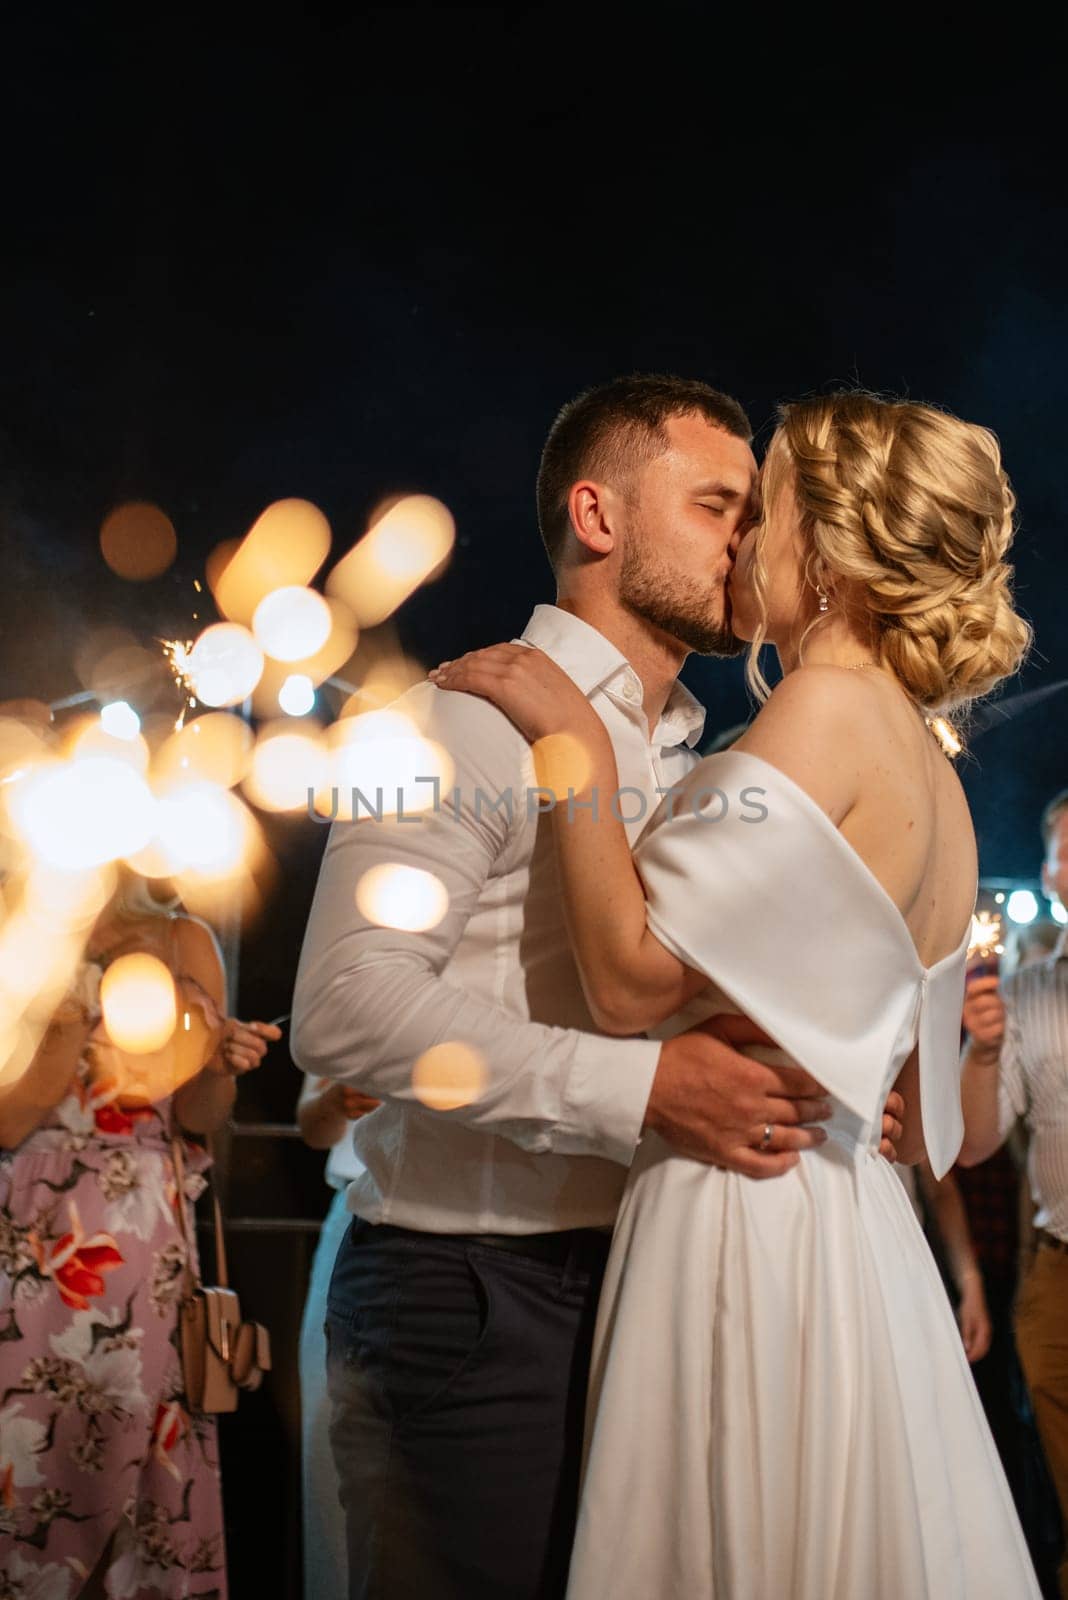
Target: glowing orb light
448,1076
139,1003
202,829
120,720
225,664
92,738
138,541
213,748
1058,913
285,546
79,814
395,896
296,697
285,766
292,623
1022,906
561,762
402,550
384,757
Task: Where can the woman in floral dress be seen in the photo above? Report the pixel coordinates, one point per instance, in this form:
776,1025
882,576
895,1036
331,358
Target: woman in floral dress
109,1485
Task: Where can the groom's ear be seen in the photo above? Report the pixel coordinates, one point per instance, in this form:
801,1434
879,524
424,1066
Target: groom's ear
594,512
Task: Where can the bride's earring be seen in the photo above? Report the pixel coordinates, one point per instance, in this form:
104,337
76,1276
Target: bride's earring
825,604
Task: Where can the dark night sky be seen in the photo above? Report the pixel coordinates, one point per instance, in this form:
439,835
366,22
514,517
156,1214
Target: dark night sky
333,261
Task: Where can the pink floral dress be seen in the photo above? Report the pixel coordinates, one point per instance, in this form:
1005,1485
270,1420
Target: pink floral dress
96,1442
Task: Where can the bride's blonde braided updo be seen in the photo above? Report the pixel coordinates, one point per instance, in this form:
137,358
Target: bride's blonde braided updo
913,510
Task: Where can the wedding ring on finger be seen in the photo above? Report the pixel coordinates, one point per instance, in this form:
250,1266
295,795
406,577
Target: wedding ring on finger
766,1138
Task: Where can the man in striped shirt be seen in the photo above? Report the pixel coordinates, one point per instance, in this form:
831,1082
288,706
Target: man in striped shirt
1016,1065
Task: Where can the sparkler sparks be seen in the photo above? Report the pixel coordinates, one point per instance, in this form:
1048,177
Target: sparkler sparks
985,940
177,652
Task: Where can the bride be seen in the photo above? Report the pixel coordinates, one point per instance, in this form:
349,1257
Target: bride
780,1404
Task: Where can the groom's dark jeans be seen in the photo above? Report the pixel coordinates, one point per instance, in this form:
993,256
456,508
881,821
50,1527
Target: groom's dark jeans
457,1371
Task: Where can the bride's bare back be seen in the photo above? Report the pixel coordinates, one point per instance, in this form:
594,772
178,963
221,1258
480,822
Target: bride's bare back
861,748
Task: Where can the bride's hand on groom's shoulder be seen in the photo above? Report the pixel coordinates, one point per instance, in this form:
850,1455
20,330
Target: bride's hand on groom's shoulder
526,684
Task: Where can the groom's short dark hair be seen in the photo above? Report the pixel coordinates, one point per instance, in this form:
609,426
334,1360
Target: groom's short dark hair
607,431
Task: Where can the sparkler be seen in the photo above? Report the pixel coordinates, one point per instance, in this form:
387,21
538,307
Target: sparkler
985,942
177,652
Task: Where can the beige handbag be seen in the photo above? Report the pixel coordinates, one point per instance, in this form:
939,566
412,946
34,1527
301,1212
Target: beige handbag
220,1353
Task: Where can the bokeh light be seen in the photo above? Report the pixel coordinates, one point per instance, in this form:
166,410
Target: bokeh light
89,737
1022,906
120,720
286,766
448,1076
202,829
383,755
402,897
389,676
42,937
214,748
291,623
561,762
218,561
115,666
334,654
78,814
296,697
224,665
139,1003
403,548
285,546
22,746
138,541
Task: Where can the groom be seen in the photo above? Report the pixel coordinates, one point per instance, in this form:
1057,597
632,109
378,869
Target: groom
461,1312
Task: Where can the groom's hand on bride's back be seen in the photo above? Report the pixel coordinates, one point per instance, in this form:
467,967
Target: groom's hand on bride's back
711,1102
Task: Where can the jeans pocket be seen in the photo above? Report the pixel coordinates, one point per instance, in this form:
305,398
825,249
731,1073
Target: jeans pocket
409,1352
469,1341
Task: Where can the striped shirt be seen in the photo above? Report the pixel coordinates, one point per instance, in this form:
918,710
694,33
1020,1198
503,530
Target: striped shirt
1033,1080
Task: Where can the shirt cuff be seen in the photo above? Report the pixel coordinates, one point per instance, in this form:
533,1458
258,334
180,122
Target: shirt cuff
606,1096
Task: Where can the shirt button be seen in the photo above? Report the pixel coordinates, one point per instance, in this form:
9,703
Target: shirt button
630,691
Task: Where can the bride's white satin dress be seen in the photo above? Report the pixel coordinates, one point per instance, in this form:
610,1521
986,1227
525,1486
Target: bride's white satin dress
780,1405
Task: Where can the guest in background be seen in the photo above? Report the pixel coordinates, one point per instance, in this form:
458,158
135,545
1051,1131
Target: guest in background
326,1111
108,1484
1014,1067
1027,942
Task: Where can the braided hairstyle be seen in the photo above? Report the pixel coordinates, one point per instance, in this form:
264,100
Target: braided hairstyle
912,509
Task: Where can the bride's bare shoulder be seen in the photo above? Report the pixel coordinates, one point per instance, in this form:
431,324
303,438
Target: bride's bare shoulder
815,727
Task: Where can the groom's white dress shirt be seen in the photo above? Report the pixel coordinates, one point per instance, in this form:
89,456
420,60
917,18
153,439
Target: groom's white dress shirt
545,1144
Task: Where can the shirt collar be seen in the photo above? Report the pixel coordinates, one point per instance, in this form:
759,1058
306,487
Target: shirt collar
587,657
1060,949
591,661
684,717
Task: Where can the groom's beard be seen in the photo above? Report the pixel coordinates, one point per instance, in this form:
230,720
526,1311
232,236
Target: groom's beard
649,589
